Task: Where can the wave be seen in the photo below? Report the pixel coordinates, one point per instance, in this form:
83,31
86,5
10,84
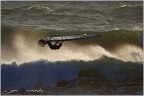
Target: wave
134,12
45,74
38,7
26,7
20,45
100,16
112,62
30,11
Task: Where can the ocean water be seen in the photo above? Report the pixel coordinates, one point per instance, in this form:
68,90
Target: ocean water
110,64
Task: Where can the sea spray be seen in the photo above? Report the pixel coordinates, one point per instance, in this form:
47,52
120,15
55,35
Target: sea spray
21,46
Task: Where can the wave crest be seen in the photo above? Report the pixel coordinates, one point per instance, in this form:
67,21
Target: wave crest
21,46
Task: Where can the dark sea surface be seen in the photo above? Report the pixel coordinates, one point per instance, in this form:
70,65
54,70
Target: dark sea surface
74,16
110,64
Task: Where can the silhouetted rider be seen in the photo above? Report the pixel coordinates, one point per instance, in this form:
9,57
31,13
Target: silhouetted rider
57,45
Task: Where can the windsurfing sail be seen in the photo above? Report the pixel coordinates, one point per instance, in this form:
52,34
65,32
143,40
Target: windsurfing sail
71,37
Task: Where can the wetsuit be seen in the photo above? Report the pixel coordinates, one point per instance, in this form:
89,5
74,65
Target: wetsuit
55,46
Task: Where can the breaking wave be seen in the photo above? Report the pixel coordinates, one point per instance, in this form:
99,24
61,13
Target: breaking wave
109,64
20,45
39,74
45,74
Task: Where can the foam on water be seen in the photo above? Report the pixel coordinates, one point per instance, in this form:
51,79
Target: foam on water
21,46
